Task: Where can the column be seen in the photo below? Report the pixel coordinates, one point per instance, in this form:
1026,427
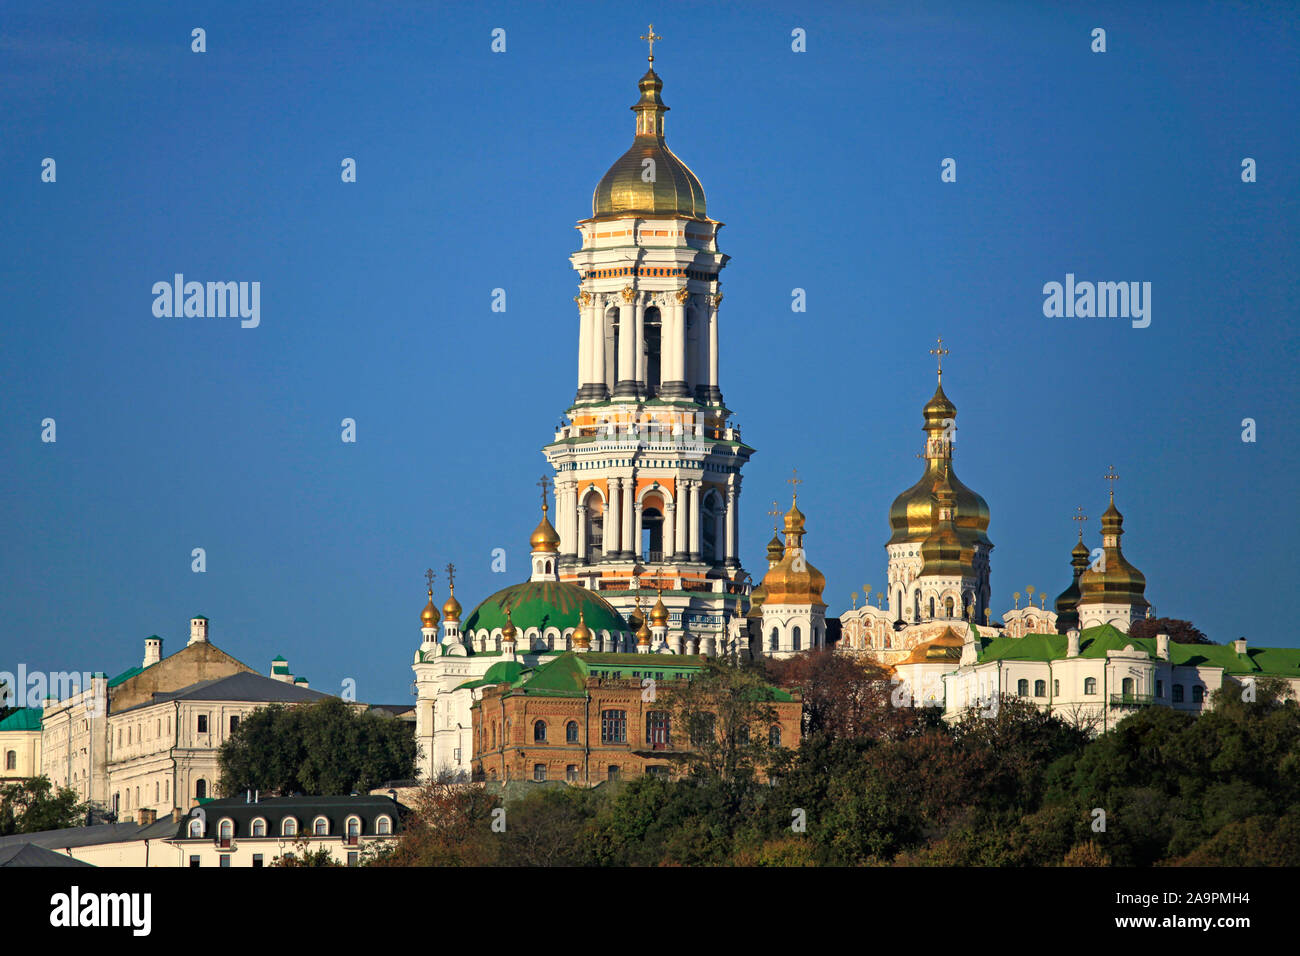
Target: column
584,346
582,534
640,343
674,348
670,543
714,393
731,526
695,521
600,331
625,384
629,546
636,532
612,519
683,519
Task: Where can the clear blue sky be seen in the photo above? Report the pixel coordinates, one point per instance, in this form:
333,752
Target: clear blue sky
473,167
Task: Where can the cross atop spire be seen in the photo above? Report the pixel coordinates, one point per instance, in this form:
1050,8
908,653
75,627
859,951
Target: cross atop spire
939,352
428,576
650,38
775,512
544,484
1112,477
1080,517
451,577
795,481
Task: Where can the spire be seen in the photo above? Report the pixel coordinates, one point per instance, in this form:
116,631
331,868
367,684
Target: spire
794,518
429,616
650,109
451,609
545,538
581,633
642,632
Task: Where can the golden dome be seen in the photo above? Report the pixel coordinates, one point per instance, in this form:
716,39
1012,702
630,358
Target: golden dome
774,549
1121,582
793,580
545,538
643,634
451,608
659,613
942,551
429,616
911,516
674,191
942,649
508,632
581,633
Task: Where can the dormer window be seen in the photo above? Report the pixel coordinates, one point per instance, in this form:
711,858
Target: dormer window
259,827
320,827
196,828
289,827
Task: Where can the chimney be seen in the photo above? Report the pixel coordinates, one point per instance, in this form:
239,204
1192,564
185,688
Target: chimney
1162,646
1239,645
198,629
148,816
1072,642
152,650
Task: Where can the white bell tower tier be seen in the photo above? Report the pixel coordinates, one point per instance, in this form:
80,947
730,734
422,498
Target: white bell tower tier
647,463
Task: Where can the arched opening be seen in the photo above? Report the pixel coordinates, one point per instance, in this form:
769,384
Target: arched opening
201,789
539,732
652,533
772,640
796,638
653,331
611,347
932,609
595,530
1127,686
710,523
948,607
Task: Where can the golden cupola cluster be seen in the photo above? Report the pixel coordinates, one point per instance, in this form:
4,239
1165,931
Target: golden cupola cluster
1067,604
943,552
1114,580
626,190
775,551
793,580
912,516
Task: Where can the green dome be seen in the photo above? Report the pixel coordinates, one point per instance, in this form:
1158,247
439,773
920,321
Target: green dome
544,604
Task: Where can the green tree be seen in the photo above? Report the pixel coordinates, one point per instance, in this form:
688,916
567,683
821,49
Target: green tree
326,748
720,719
33,805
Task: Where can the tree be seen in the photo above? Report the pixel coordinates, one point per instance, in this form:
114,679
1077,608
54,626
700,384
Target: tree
326,748
32,806
450,825
1180,632
302,856
719,719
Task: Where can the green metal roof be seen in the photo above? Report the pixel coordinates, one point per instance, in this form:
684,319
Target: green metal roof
25,718
544,604
126,675
502,672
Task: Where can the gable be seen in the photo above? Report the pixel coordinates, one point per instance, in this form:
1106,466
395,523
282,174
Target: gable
188,666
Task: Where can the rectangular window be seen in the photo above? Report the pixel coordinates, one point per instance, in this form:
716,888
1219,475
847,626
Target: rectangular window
352,858
257,860
539,772
225,859
571,773
194,861
656,729
234,722
613,726
1160,688
203,723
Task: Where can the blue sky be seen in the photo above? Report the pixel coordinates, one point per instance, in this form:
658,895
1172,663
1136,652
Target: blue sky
473,168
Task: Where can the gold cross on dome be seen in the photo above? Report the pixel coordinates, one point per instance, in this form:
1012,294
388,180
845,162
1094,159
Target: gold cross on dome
1080,517
776,516
939,352
544,484
428,576
650,38
451,576
1112,477
795,481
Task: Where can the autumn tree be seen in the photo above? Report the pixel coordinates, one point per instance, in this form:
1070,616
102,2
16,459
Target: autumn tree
719,719
1180,632
451,824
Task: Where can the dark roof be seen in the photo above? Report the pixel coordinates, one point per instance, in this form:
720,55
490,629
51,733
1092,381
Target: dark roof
369,807
90,836
401,711
28,854
244,686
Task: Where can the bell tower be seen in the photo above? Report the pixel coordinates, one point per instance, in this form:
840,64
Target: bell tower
647,462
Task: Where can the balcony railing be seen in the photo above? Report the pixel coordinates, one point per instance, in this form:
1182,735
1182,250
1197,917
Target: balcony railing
1132,700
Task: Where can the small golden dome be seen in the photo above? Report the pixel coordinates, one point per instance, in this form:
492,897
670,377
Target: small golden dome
793,580
659,613
545,538
451,608
643,635
1121,582
508,632
581,633
429,616
774,549
939,407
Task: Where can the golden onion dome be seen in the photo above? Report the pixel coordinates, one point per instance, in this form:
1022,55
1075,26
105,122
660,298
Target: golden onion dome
942,552
673,190
774,549
508,632
793,580
756,598
581,633
643,634
545,538
451,608
429,616
941,650
659,613
1121,582
911,516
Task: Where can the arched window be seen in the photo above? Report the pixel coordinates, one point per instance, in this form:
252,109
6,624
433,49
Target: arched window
354,830
595,527
225,830
796,638
774,736
1178,694
1040,688
652,534
710,524
571,732
931,608
200,789
1198,694
539,773
196,828
1090,685
384,826
259,827
539,732
611,772
1126,686
651,331
289,826
948,607
320,827
772,640
1022,687
11,760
